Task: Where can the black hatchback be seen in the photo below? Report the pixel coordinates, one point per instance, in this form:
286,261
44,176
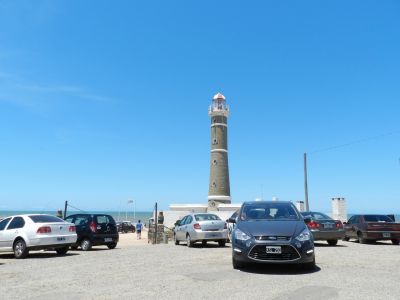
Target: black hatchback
271,232
94,230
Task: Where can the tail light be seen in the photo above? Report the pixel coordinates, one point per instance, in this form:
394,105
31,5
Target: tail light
93,226
44,229
339,225
313,225
196,226
72,228
225,226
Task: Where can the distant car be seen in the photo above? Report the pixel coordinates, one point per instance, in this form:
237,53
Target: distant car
201,227
125,227
231,225
271,232
22,233
94,230
371,228
324,228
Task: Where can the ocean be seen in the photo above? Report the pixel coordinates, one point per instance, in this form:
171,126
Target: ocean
118,216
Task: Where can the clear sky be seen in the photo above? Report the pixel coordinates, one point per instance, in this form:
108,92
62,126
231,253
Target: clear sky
101,101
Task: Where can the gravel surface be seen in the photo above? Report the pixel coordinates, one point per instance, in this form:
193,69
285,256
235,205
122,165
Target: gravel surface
139,270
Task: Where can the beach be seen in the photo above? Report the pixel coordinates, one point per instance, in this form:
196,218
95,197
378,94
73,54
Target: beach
138,270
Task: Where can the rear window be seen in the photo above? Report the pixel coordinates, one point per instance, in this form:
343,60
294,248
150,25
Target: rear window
320,216
206,217
104,219
377,218
45,219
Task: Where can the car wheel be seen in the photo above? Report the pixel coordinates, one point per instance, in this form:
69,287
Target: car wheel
112,246
395,242
346,238
62,251
86,244
236,264
175,240
310,266
221,243
361,240
332,242
189,242
125,231
20,249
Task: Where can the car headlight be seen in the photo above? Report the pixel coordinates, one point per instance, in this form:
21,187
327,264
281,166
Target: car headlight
240,235
305,235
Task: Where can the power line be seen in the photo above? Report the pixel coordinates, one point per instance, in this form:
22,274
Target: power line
356,142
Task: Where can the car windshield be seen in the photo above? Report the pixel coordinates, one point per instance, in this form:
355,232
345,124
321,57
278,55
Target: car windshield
45,219
269,211
377,218
206,217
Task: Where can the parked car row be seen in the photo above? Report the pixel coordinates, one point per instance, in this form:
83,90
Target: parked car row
22,233
125,227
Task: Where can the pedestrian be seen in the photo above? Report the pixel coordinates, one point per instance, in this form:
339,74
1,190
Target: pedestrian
139,230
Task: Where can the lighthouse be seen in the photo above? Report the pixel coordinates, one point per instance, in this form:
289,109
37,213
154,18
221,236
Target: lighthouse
219,189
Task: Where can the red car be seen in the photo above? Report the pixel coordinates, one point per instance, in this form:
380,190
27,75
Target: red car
372,228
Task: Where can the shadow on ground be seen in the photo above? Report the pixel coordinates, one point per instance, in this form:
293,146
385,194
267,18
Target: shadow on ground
39,255
278,269
322,245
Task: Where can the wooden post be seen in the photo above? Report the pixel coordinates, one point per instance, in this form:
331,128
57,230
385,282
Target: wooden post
305,182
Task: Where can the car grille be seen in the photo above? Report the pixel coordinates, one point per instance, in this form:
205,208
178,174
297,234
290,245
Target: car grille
288,253
271,238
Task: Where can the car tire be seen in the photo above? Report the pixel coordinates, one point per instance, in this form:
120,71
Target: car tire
20,249
112,245
332,242
175,240
189,242
221,243
395,241
310,266
86,245
361,240
346,239
236,264
62,251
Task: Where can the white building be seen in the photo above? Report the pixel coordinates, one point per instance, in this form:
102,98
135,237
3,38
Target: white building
339,209
300,206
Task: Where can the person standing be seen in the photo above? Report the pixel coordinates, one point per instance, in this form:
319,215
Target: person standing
139,230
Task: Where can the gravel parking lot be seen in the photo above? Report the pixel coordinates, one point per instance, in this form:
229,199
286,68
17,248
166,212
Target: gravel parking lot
348,271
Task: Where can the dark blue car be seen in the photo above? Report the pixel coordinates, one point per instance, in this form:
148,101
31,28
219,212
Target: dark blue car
271,232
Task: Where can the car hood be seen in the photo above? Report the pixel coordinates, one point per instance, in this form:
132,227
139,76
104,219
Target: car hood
272,228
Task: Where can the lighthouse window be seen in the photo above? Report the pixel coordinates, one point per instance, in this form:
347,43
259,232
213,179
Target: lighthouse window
214,184
214,162
215,141
214,120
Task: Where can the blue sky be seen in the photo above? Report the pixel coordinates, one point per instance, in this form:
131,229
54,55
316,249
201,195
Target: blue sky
101,101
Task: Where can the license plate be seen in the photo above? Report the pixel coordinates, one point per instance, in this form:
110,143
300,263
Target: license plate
59,239
211,235
386,234
328,226
273,249
108,240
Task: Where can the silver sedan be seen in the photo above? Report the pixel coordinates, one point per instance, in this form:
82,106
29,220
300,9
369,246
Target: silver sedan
201,227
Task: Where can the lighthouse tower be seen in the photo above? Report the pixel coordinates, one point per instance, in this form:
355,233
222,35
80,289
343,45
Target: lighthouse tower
219,189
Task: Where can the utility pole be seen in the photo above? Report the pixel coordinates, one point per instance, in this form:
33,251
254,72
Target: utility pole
305,182
65,209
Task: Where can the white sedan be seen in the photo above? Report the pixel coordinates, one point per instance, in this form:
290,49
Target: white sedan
22,233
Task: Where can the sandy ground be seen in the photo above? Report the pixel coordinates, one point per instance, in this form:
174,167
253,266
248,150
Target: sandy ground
138,270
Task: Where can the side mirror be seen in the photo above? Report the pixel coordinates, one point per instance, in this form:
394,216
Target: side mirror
307,220
178,223
231,220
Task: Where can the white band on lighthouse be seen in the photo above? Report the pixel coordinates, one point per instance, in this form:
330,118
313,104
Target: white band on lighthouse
219,197
219,150
219,124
